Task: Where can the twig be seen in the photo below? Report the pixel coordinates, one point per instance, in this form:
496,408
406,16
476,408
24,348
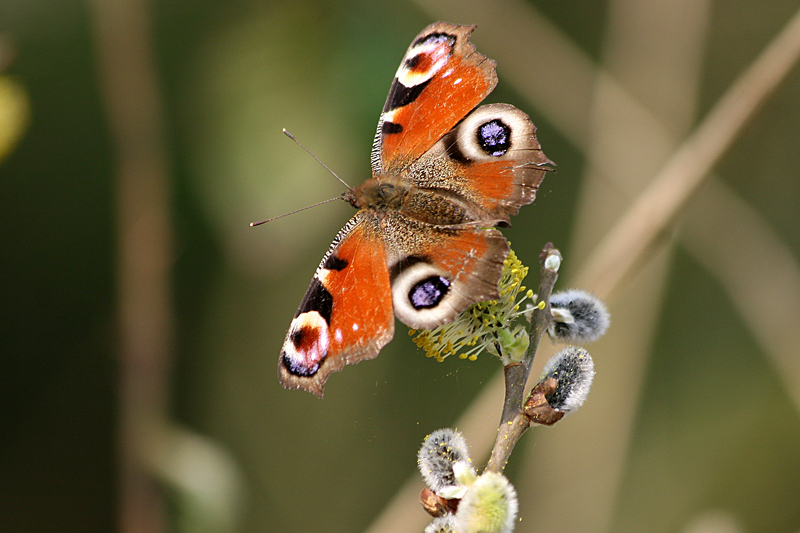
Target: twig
657,207
513,422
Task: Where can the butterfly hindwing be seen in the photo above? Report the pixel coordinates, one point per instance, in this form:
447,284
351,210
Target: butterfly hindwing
491,159
437,272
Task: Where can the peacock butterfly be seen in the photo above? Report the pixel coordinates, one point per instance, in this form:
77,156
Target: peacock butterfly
423,245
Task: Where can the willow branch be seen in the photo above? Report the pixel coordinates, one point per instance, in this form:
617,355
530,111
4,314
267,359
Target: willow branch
513,422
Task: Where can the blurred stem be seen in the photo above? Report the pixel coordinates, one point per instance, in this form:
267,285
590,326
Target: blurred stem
622,248
513,423
129,90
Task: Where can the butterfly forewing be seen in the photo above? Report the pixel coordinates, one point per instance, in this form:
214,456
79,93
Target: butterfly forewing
346,313
440,80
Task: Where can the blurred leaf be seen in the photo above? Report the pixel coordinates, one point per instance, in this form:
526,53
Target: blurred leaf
15,114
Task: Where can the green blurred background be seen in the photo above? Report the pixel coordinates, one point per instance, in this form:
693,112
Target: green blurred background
693,422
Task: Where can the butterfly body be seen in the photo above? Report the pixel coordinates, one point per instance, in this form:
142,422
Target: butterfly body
423,244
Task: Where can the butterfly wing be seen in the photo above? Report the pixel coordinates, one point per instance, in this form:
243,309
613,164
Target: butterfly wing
438,271
491,159
440,80
346,314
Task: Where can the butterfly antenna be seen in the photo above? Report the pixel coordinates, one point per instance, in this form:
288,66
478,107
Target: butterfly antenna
253,224
292,137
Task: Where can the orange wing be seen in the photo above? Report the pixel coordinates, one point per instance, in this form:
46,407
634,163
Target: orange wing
437,272
491,158
440,80
346,314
